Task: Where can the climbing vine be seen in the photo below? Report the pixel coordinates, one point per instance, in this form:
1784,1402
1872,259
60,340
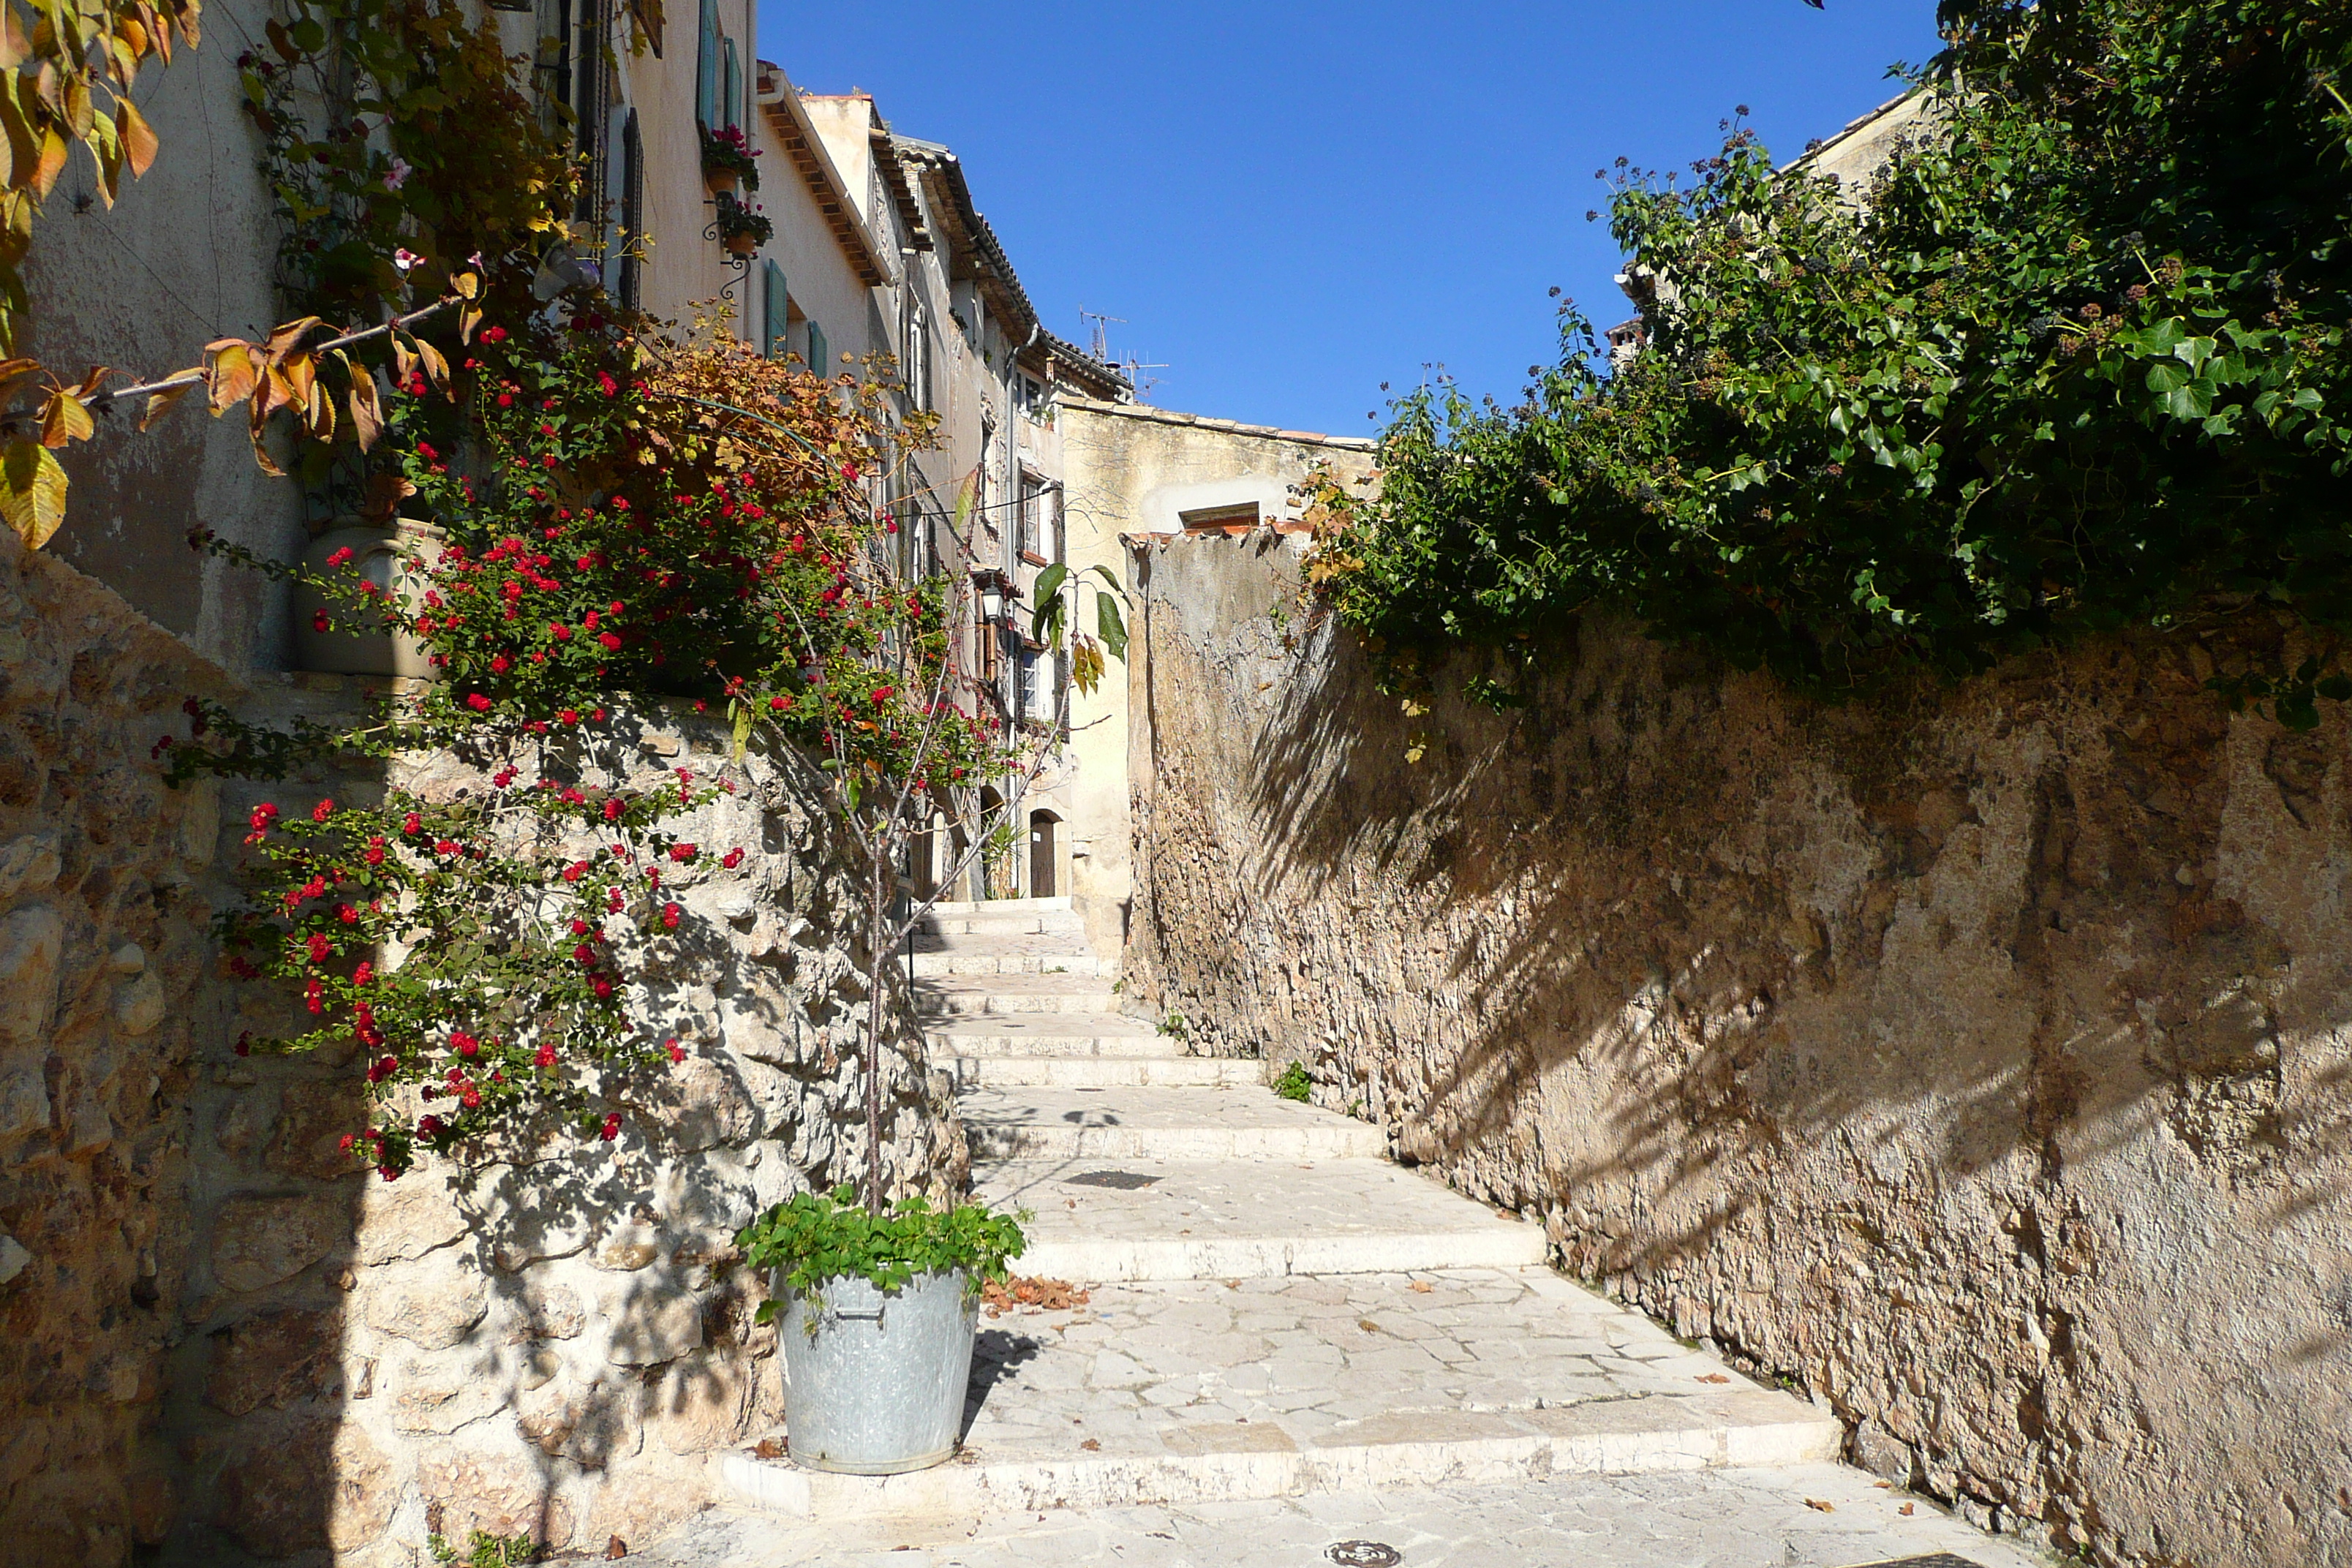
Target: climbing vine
2074,361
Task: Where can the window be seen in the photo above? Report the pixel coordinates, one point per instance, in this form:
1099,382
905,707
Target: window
730,106
1041,685
1039,504
705,68
775,311
633,210
1231,519
820,355
915,353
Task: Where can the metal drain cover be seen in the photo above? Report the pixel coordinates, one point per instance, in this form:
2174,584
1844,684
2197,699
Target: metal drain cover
1125,1181
1365,1555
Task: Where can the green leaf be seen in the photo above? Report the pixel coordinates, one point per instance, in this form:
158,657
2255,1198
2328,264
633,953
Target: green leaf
1110,626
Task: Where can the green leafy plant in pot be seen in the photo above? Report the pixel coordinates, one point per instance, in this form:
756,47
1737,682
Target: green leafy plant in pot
876,1314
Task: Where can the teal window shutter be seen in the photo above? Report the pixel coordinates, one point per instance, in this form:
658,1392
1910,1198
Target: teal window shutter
819,360
705,68
732,107
776,311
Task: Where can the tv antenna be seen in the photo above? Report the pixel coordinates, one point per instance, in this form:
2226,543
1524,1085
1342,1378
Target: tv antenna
1098,347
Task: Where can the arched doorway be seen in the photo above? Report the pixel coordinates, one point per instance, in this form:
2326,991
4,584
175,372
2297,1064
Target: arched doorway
1044,867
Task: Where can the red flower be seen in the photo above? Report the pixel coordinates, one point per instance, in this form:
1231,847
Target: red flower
570,715
669,916
613,808
610,641
425,450
348,915
479,703
584,953
340,558
320,622
245,1044
323,810
545,1056
263,815
577,870
732,858
412,824
321,948
374,854
603,988
364,973
500,664
676,1051
883,693
683,853
465,1044
558,631
612,1128
779,704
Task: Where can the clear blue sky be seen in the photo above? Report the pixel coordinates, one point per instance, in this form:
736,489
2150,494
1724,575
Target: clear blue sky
1294,202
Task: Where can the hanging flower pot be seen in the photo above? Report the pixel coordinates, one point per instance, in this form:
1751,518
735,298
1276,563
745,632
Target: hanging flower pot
742,246
720,182
741,227
727,165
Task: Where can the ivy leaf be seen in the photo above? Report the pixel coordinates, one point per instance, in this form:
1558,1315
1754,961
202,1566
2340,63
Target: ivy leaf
32,491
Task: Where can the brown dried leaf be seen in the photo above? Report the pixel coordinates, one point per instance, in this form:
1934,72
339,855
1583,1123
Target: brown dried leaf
367,411
15,375
157,402
140,143
1713,1377
1423,1287
64,418
384,494
52,162
1814,1502
284,340
769,1449
1906,1509
228,372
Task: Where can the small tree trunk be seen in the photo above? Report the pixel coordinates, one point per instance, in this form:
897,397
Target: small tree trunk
878,963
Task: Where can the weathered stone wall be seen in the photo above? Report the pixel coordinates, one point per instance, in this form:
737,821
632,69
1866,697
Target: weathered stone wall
552,1343
1977,1057
105,996
221,1341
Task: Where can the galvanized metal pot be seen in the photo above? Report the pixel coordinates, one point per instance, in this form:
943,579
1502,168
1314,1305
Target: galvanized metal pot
875,1381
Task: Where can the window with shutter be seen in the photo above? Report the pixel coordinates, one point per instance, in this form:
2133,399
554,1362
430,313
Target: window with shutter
776,311
730,105
633,209
820,356
705,68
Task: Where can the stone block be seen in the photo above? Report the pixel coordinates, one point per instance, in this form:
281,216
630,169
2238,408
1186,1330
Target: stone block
544,1311
259,1242
13,1258
701,1402
32,944
432,1302
313,1117
24,1101
653,1319
30,864
592,1422
441,1395
303,1485
408,1218
502,1491
274,1359
140,1006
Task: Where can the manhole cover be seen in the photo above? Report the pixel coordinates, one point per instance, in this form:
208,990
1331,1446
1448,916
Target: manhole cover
1365,1555
1125,1181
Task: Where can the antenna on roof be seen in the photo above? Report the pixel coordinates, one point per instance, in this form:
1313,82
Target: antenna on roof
1099,349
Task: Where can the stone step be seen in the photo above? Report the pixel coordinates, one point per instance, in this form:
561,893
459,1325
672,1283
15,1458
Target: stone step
1049,1034
1167,1071
950,909
1222,1391
1229,1219
1040,944
1150,1123
1747,1516
1067,926
965,994
935,966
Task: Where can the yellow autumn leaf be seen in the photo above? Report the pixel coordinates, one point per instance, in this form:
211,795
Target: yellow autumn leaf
65,418
228,372
140,143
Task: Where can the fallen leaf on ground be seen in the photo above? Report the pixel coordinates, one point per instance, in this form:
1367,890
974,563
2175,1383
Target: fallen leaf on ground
1037,1292
1906,1509
1824,1506
1091,1445
769,1449
1368,1326
1713,1377
1423,1287
615,1549
1883,1486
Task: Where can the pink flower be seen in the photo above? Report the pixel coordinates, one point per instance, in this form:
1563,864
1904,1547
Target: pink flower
395,175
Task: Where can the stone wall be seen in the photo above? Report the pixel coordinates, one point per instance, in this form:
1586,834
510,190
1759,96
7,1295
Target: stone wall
224,1343
105,1002
552,1342
1976,1057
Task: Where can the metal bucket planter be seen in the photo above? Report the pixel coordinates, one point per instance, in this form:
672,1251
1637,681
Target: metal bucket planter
876,1381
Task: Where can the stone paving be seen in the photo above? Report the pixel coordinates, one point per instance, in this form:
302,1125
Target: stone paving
1291,1343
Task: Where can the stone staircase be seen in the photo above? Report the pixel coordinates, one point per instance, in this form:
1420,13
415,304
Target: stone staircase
1277,1312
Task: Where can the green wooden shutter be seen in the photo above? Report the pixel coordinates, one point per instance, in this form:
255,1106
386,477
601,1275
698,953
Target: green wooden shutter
733,105
819,360
776,311
705,68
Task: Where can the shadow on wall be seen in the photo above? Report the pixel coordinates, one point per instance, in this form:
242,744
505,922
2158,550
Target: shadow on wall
1974,1055
550,1338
